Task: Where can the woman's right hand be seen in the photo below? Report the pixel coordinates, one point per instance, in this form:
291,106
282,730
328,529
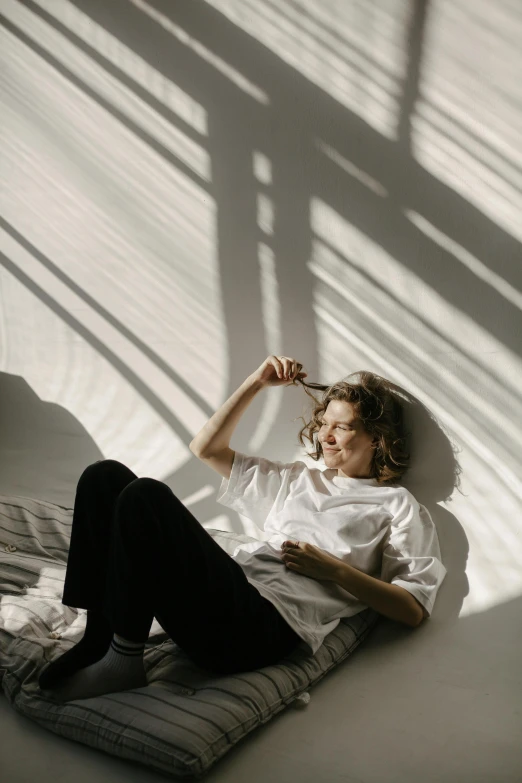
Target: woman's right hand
279,371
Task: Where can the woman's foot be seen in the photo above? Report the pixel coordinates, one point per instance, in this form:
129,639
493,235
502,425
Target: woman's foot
90,649
121,669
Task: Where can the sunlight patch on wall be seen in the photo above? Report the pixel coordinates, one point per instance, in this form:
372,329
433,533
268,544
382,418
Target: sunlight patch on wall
211,57
394,316
354,171
137,236
119,97
479,269
446,327
265,214
466,128
262,167
271,311
353,51
270,296
114,51
489,512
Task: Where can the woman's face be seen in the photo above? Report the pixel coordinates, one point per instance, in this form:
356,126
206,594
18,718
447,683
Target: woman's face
351,445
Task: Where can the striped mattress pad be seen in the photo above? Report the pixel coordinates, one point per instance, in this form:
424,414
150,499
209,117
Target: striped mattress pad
186,718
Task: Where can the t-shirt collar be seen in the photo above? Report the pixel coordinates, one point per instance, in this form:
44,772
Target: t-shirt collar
348,481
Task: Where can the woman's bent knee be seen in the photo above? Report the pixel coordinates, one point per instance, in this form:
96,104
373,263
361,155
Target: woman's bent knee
147,487
103,467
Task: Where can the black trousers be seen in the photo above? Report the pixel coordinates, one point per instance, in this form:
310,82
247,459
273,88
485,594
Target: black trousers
136,553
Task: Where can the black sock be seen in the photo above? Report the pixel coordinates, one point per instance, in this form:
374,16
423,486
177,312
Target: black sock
90,649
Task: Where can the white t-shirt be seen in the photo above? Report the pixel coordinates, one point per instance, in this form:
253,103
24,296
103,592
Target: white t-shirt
382,531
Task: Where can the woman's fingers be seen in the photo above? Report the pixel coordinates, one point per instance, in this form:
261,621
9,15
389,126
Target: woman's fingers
284,367
278,366
287,368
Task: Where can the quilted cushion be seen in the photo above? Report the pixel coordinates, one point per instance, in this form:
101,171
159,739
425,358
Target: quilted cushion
186,718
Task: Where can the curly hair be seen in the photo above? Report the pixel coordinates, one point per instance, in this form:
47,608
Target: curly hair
377,403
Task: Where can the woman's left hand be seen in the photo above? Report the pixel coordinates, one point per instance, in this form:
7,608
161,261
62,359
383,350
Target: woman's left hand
309,560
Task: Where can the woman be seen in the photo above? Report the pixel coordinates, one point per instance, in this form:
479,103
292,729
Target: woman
137,553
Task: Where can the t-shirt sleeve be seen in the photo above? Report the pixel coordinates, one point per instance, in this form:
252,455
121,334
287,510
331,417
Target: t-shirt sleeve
254,486
411,553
